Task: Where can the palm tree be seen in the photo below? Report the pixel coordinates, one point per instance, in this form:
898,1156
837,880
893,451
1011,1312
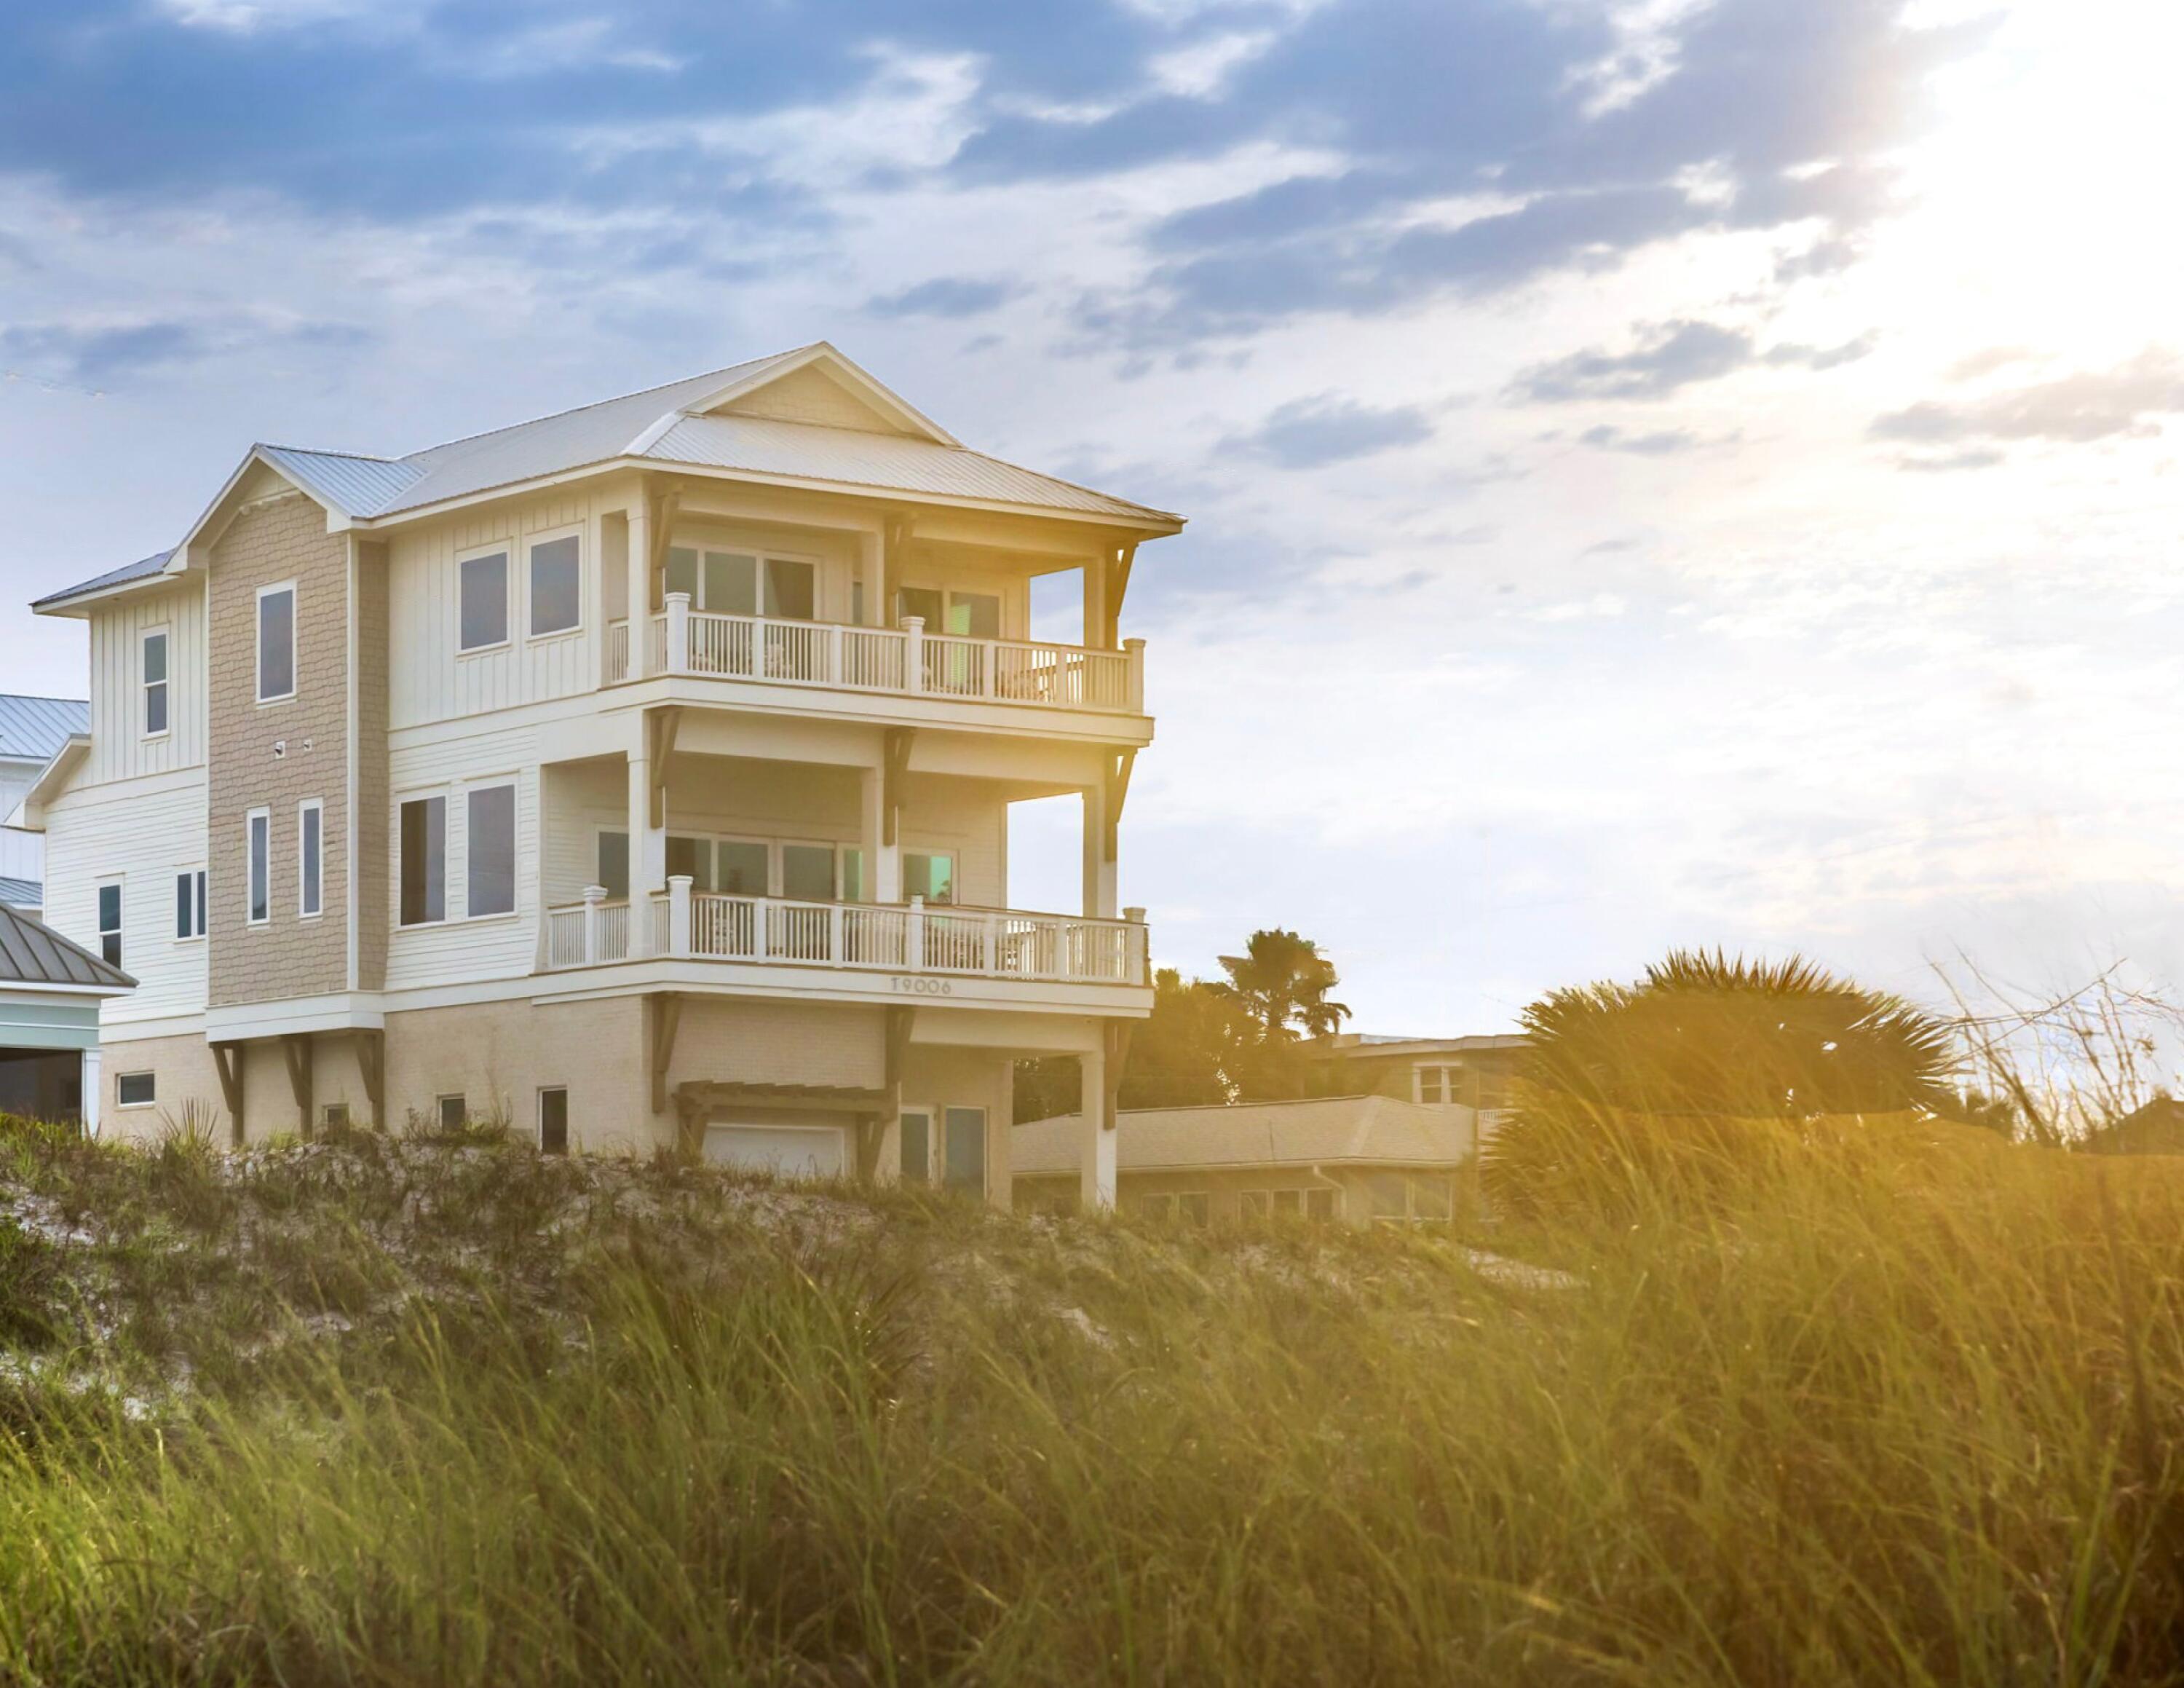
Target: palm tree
1281,981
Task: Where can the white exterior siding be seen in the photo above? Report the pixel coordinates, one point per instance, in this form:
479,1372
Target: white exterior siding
22,854
458,949
142,832
119,748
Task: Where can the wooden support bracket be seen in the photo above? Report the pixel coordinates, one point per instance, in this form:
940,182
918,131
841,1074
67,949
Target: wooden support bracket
895,775
227,1062
1118,793
296,1049
1118,581
894,544
660,509
661,728
666,1020
1116,1040
371,1067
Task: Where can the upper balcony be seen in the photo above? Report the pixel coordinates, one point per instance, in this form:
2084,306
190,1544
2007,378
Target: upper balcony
904,662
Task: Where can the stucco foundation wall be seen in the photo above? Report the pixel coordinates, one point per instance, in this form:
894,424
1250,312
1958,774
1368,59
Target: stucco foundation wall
498,1055
767,1043
937,1077
182,1073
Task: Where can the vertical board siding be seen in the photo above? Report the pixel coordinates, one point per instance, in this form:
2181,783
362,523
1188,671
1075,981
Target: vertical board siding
119,748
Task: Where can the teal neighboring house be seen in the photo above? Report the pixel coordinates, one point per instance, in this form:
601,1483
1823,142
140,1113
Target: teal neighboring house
50,990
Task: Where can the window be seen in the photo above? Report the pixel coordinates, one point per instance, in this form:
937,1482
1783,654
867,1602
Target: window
276,643
1439,1083
742,868
334,1115
807,872
1319,1204
258,868
190,903
916,1130
109,922
1195,1206
739,583
492,846
311,828
1251,1206
454,1113
966,1148
155,685
853,874
971,615
554,1121
483,588
1290,1202
691,857
135,1089
932,877
557,586
614,864
424,861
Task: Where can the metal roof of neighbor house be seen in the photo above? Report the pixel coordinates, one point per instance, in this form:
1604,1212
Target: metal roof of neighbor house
667,425
1324,1130
32,953
139,570
21,893
32,729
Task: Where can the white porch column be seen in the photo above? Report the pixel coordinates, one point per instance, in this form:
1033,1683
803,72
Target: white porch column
882,860
1095,1166
647,851
1095,603
594,896
678,915
1099,876
871,576
92,1081
637,565
678,633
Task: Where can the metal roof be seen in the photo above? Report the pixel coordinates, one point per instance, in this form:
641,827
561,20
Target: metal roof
1348,1130
32,953
32,729
667,425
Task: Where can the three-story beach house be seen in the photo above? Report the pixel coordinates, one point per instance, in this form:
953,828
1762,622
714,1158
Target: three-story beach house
641,775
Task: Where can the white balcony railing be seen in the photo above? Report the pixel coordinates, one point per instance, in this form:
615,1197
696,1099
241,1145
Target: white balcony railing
906,659
911,938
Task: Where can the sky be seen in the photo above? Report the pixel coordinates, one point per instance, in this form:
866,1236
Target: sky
1696,472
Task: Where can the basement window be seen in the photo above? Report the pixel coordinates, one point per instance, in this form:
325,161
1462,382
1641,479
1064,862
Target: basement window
454,1113
134,1090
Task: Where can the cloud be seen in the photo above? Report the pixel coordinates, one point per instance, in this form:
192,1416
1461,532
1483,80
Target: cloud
947,296
1310,434
1669,357
2129,400
109,352
1665,444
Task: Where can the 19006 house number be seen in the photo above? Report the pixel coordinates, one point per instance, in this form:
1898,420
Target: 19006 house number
912,985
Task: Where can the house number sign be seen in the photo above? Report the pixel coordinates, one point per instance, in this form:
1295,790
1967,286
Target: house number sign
910,985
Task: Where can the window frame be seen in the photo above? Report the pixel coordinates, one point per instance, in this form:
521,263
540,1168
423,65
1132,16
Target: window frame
145,683
462,1102
929,1113
505,551
258,643
310,856
472,790
252,820
149,1101
402,801
190,884
545,1091
948,594
760,555
116,884
531,542
599,835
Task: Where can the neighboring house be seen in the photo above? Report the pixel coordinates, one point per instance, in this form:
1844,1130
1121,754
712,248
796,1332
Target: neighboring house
2157,1128
1474,1072
50,993
642,773
32,731
1361,1160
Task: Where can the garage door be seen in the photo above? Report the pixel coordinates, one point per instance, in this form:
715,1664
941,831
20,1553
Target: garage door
785,1151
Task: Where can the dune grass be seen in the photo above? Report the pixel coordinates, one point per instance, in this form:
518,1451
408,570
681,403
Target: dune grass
1898,1407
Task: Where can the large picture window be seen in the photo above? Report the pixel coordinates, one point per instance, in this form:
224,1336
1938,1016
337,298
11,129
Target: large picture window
276,643
491,847
155,685
725,583
557,585
482,586
424,861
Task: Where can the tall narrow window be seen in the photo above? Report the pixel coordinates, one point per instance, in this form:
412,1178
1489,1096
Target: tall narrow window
966,1150
310,851
109,922
424,861
492,846
916,1130
554,1121
276,643
556,586
190,904
258,827
155,685
484,591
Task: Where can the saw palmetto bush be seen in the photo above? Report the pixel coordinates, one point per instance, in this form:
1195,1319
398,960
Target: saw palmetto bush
1691,1082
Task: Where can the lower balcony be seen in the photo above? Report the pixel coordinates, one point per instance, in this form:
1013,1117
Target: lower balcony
910,942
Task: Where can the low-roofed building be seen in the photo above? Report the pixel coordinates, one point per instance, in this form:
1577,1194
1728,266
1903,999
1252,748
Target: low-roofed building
1357,1159
1472,1071
50,990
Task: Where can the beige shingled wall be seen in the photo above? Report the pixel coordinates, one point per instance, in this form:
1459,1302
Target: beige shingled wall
279,539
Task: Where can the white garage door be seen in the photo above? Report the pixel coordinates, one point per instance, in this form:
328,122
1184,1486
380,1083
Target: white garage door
785,1151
